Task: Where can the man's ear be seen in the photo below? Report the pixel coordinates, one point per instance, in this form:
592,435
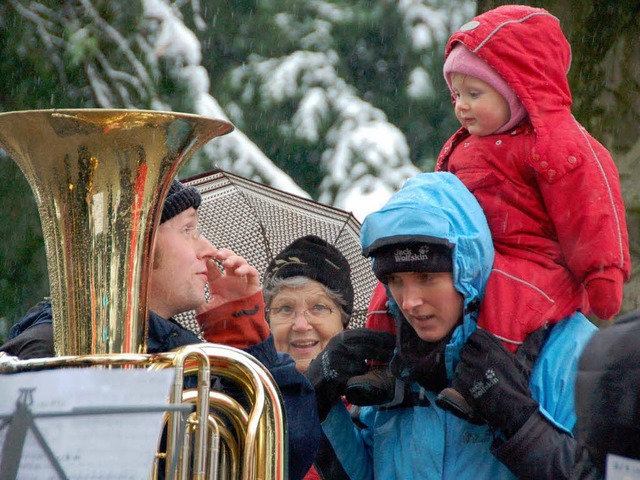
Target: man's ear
156,257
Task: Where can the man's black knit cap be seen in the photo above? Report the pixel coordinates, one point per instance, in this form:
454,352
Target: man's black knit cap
179,199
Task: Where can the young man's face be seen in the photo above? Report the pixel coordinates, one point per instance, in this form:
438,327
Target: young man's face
429,302
179,273
479,107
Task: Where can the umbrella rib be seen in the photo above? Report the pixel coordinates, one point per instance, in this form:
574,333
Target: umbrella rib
344,226
263,229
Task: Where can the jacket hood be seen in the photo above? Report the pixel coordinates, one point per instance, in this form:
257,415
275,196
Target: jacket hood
527,47
436,207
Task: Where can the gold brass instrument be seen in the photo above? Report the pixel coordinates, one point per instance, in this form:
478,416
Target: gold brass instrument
99,178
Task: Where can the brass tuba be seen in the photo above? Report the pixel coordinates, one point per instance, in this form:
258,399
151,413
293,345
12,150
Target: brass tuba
100,177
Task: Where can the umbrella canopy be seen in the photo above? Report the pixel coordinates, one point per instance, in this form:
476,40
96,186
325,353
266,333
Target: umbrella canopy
257,221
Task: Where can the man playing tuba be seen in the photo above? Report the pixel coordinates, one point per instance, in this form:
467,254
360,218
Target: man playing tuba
183,264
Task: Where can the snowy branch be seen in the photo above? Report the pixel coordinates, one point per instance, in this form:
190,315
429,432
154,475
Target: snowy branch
122,44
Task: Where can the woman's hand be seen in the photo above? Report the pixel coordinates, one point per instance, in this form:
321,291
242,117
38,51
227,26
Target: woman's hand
235,281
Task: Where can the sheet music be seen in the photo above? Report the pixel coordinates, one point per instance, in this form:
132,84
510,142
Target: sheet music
622,468
116,446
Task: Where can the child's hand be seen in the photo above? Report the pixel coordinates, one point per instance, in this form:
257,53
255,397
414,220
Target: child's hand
605,294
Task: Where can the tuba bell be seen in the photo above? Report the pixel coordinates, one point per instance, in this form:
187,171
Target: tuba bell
99,177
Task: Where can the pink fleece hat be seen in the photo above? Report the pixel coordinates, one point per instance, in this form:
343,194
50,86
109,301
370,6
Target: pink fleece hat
461,60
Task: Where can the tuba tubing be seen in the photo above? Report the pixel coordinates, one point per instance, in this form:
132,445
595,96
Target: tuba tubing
263,440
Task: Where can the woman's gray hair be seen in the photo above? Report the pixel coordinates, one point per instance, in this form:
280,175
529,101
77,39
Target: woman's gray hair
276,285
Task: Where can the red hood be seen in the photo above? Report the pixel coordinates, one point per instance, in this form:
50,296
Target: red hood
527,48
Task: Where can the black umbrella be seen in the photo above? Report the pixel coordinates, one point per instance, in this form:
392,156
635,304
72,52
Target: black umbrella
257,221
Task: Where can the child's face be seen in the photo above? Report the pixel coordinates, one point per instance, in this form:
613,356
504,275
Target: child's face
429,302
478,106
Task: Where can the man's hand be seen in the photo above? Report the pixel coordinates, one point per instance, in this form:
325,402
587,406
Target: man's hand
237,280
346,356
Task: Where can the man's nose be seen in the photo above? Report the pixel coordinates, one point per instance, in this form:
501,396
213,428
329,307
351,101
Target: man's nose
205,248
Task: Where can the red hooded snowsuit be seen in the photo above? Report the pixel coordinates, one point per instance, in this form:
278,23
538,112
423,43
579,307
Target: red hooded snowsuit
550,191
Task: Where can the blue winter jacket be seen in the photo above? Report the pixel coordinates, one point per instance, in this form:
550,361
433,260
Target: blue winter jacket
423,441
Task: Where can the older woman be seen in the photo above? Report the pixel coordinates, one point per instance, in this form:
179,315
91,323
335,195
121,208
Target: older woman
309,299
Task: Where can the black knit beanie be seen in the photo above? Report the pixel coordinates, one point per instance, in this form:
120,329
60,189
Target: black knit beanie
316,259
411,257
179,199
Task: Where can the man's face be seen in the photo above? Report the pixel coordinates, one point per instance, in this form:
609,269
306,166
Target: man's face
429,302
179,273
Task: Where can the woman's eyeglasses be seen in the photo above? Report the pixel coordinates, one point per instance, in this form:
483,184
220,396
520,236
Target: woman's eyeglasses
288,314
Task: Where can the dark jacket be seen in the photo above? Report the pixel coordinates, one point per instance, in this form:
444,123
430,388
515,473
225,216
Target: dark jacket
34,339
607,398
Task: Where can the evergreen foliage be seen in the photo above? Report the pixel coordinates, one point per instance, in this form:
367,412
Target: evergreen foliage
346,97
339,65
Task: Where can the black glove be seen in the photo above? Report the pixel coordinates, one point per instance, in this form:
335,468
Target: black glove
346,356
375,387
495,382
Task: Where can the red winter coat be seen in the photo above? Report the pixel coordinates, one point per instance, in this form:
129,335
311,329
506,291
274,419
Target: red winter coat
550,191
